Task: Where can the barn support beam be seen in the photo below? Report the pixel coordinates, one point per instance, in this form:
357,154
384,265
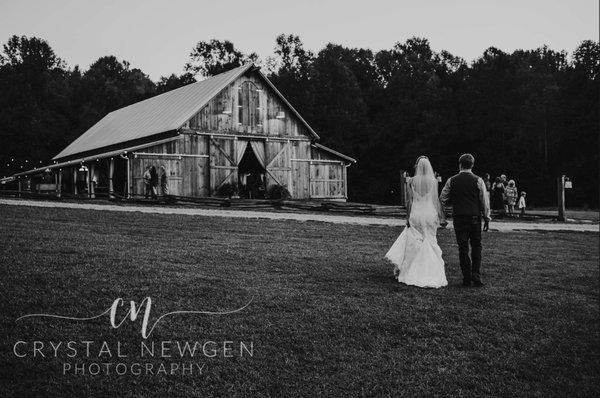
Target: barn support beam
75,180
345,169
59,183
128,193
111,172
91,188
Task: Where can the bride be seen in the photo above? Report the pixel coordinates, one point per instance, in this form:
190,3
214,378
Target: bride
416,256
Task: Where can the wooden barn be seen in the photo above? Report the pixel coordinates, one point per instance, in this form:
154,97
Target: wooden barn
233,133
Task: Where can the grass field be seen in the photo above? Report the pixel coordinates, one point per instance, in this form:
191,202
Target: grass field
326,319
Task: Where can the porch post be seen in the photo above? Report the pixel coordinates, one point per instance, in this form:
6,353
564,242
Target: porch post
111,171
59,183
128,178
91,188
561,198
88,181
75,180
345,177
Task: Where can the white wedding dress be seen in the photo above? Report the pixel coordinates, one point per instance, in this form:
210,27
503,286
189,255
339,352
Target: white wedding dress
416,256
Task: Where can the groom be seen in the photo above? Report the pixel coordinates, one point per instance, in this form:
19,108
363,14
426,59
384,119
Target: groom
467,194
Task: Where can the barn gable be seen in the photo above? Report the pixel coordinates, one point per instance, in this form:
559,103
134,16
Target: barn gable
251,105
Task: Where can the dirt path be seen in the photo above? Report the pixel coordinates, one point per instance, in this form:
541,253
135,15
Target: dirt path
336,219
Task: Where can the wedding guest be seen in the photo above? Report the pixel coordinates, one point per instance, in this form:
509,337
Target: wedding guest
153,181
505,183
164,188
497,195
147,183
511,196
522,205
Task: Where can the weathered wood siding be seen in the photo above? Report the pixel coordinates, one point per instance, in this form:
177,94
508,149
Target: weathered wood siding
278,163
223,165
327,176
248,106
185,161
300,156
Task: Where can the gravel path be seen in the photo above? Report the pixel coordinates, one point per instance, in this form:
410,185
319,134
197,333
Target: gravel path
336,219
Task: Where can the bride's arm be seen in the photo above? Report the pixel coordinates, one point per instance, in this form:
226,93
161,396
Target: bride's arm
442,201
441,213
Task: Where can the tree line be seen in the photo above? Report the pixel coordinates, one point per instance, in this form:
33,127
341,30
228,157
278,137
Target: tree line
529,114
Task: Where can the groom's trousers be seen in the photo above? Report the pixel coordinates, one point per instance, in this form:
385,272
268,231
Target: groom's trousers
468,231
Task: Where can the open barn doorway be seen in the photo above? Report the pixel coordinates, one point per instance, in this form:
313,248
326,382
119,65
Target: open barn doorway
251,175
120,177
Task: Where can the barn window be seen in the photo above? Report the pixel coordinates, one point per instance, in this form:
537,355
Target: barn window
249,105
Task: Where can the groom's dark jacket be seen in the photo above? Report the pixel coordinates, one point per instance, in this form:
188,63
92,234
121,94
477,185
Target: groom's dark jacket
467,194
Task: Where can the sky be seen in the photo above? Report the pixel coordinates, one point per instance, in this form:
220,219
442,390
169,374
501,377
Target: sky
157,36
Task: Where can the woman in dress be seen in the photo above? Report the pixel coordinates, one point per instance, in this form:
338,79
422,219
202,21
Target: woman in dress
498,195
511,196
416,256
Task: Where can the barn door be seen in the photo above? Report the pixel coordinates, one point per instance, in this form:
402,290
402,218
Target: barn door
327,180
278,165
223,165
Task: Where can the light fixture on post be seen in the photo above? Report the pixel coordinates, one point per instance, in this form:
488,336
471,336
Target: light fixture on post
83,168
280,115
568,183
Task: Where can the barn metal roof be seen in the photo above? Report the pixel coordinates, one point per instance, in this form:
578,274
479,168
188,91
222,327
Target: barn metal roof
334,152
164,112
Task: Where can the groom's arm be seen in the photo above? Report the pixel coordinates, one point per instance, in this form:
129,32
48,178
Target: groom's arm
483,200
445,195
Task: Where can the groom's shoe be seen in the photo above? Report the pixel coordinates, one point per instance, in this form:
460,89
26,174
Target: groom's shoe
478,284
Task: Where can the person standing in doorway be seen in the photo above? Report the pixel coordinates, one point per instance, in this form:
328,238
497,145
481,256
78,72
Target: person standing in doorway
147,183
164,189
154,181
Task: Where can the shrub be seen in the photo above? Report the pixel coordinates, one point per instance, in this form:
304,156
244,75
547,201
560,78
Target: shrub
278,192
227,190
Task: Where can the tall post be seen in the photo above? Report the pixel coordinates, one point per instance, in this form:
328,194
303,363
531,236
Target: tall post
91,174
88,181
59,187
345,177
75,180
128,178
111,172
59,183
561,199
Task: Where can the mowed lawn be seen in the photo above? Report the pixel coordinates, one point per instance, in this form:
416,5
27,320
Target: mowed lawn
327,318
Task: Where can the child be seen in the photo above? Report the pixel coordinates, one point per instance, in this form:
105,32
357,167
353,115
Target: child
522,204
511,196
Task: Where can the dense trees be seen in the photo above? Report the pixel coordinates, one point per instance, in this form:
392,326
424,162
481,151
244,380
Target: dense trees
531,114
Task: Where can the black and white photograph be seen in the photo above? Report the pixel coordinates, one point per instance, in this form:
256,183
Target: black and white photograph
279,198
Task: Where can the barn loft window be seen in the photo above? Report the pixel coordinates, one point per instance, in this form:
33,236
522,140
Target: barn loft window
249,105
